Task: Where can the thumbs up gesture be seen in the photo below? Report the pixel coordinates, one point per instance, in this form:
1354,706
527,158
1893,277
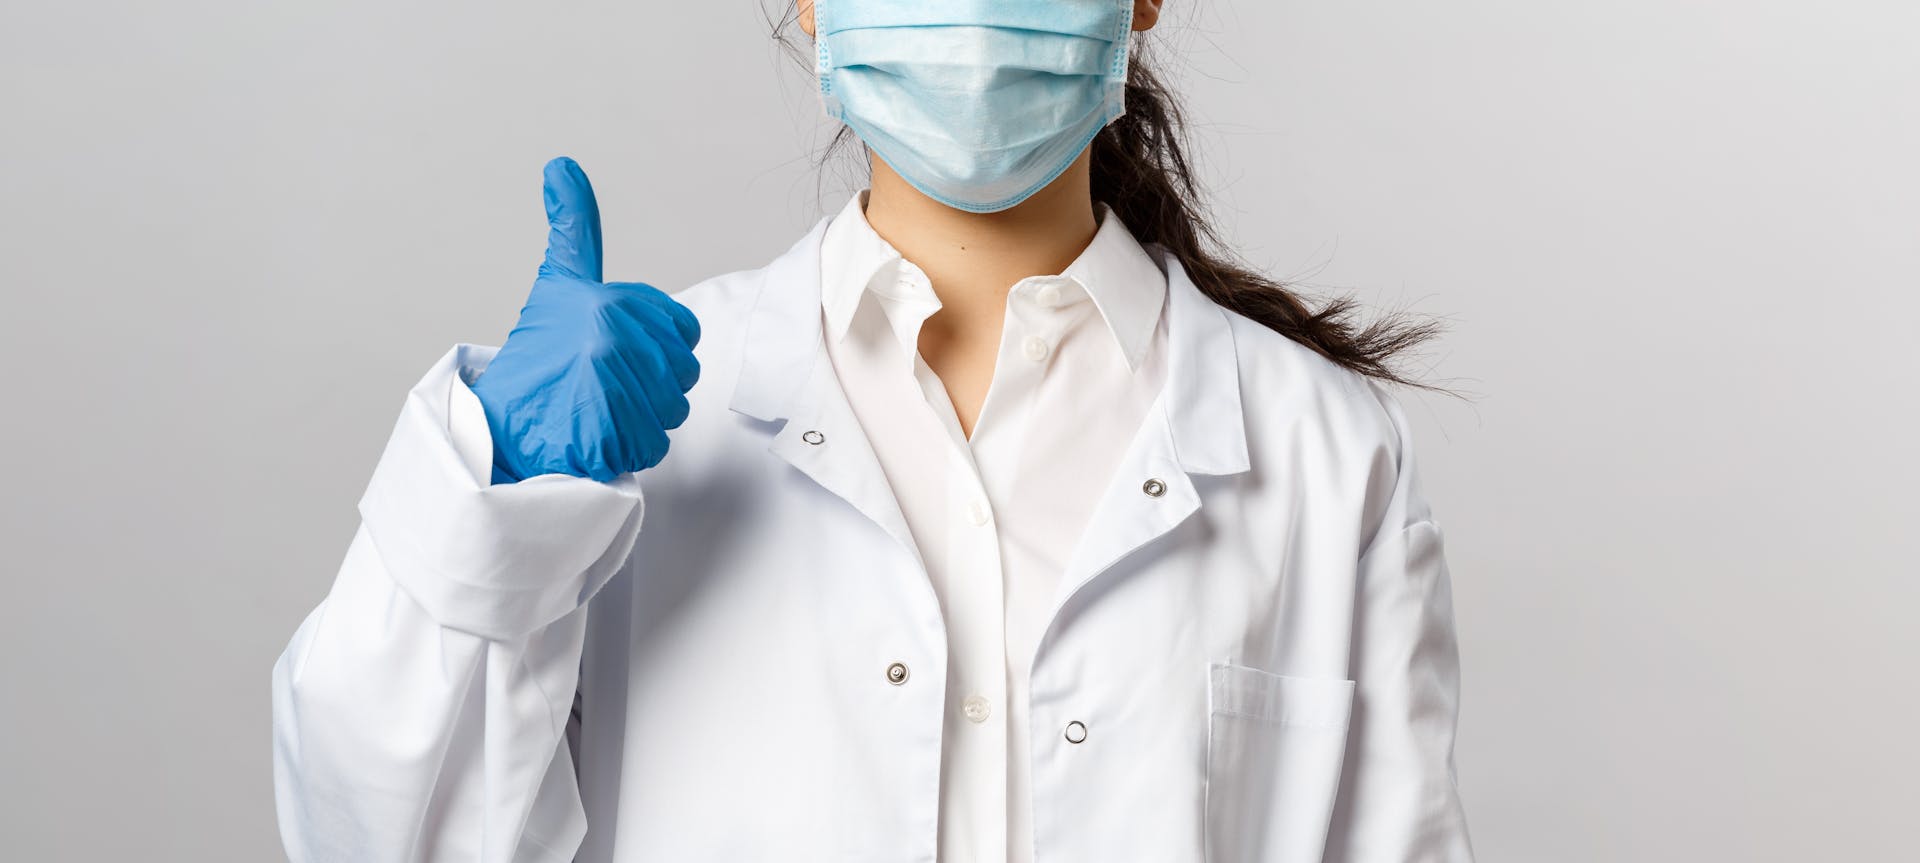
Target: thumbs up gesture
595,372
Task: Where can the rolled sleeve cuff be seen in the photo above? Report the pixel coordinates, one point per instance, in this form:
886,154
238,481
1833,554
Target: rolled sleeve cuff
499,561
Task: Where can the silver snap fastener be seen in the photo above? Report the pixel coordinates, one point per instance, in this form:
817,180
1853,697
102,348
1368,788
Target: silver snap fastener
897,673
1076,731
814,437
1154,488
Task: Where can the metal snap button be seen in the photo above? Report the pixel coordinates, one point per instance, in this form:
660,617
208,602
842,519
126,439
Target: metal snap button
1076,731
1154,488
814,437
897,673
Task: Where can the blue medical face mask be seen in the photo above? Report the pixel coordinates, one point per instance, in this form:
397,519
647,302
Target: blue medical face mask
977,103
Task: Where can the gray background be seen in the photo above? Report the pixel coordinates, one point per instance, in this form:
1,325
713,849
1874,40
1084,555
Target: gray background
1678,242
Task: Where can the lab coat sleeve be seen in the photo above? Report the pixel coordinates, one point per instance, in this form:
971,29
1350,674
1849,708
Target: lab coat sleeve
1399,802
420,712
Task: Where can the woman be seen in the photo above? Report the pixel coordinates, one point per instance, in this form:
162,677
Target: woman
1007,524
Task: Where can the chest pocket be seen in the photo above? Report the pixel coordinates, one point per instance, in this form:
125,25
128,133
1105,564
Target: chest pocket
1274,747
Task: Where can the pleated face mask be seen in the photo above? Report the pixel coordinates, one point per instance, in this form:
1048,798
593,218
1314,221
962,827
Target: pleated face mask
976,103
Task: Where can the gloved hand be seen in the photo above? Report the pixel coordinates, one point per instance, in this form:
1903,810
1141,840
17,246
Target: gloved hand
594,373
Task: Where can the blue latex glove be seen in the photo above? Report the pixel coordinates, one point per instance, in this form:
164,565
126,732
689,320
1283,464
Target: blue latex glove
594,373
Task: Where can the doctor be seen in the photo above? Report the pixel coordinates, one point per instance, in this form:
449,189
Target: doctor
1003,521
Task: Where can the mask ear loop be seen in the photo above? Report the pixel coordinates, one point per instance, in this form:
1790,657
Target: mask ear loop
1116,95
823,62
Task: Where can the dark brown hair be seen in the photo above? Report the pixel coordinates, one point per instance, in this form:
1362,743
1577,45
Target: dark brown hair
1141,169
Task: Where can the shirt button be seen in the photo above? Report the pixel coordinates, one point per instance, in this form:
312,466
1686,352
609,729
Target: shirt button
897,673
975,707
1076,731
1154,487
1035,348
977,513
1048,295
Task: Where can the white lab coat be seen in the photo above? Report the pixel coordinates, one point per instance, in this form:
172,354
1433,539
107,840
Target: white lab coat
1258,662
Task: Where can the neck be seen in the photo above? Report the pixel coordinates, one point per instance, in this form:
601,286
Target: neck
974,259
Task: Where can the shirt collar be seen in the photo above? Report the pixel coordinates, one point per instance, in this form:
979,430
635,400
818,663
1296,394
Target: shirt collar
1125,283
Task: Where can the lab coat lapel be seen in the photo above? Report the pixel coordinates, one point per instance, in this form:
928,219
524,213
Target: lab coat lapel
1195,427
785,375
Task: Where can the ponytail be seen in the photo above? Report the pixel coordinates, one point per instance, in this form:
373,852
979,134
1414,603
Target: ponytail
1141,170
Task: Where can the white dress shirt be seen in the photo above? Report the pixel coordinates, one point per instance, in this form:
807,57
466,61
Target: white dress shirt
995,516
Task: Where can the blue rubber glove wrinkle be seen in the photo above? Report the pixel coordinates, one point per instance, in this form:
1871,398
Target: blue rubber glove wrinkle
594,374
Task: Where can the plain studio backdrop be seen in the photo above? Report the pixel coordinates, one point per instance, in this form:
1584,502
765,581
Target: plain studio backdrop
1677,242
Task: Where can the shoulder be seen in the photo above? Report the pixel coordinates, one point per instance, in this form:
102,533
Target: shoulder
1308,415
726,302
722,298
1283,380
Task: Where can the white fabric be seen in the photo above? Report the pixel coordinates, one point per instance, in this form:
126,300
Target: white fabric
995,517
1257,664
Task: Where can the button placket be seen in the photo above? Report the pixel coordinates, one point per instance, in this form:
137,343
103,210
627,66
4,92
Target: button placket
976,611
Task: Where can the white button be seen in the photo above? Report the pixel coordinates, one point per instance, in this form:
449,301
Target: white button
1048,295
975,707
1036,348
977,512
